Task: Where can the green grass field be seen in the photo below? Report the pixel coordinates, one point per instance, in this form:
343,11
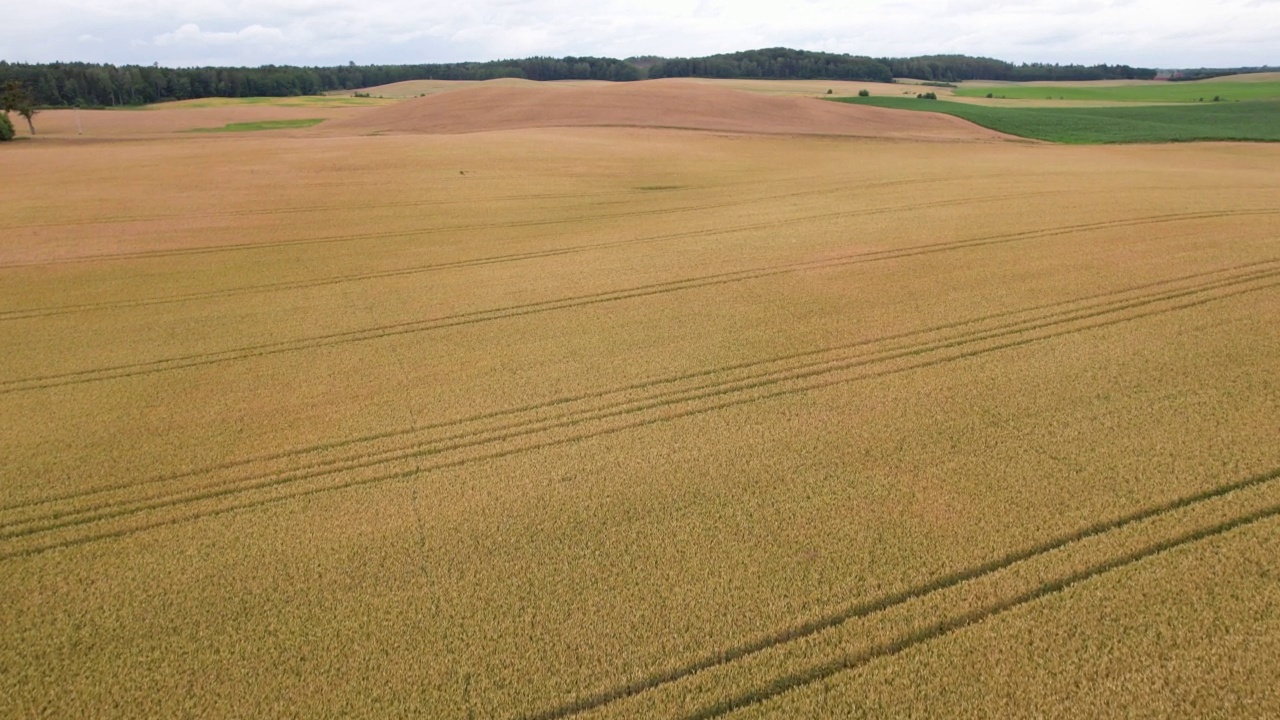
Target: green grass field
1178,92
262,125
1251,121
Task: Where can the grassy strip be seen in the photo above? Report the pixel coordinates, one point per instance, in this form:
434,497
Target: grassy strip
1253,121
261,125
1190,92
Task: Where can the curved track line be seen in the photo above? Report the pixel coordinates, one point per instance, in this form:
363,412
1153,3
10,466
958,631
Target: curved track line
728,655
522,427
476,262
945,627
282,483
301,209
1087,301
501,313
432,230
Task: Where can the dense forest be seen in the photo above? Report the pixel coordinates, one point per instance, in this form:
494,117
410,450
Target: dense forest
779,63
956,68
94,85
800,64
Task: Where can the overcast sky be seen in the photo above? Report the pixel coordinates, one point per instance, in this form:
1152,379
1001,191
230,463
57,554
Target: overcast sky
1153,33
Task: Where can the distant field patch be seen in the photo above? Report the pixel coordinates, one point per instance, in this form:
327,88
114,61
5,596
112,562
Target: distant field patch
1252,121
262,125
1176,92
307,101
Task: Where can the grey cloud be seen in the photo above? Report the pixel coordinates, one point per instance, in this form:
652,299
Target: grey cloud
253,32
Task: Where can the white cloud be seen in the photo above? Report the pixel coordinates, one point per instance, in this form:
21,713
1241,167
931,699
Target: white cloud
191,34
252,32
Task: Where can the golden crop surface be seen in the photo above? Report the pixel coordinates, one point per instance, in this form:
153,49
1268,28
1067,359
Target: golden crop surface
615,422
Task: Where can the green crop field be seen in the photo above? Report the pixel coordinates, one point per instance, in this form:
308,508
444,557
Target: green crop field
1252,121
1175,92
263,125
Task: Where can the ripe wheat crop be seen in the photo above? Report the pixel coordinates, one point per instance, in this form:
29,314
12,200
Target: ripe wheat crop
603,422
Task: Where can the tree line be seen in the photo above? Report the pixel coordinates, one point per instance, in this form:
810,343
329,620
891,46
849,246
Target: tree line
1207,73
101,85
775,63
957,68
784,63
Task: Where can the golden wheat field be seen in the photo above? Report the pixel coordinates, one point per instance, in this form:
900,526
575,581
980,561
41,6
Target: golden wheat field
622,422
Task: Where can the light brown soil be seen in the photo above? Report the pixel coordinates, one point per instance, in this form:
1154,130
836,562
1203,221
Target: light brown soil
417,88
658,103
115,124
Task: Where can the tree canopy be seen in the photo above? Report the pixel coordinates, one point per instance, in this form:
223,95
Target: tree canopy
93,85
15,96
97,85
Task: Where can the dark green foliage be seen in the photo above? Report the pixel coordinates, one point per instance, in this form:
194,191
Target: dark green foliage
862,93
91,85
774,63
1206,73
6,128
1248,121
955,68
17,97
940,70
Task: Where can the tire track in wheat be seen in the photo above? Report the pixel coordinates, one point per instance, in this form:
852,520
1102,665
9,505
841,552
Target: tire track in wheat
839,185
861,610
1008,338
301,210
522,427
580,301
788,683
640,385
476,262
434,229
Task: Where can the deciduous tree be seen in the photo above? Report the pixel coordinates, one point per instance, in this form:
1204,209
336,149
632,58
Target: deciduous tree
17,97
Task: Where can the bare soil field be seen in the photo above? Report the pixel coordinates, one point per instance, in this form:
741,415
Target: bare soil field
167,119
616,422
682,104
418,88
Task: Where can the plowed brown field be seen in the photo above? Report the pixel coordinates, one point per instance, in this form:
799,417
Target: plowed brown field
602,422
165,120
683,104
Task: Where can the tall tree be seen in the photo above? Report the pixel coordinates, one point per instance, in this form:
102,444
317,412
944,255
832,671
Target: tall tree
17,97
